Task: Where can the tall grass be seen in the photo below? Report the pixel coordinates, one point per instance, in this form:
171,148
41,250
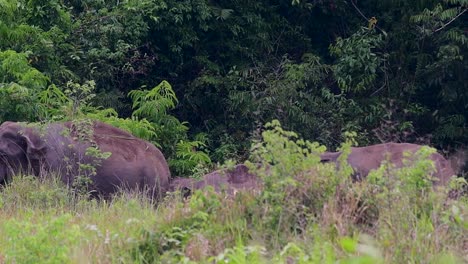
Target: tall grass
306,212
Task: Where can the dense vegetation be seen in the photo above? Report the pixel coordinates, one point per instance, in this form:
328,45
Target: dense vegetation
387,70
201,79
306,212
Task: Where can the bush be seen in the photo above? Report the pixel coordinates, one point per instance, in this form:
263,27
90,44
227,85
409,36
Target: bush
305,212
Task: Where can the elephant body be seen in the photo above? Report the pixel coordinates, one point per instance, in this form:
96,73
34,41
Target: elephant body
365,159
230,180
67,149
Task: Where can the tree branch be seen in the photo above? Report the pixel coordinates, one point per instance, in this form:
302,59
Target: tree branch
367,19
359,11
453,19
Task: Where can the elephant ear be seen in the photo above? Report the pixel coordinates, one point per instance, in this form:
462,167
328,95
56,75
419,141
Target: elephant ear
16,140
11,144
35,145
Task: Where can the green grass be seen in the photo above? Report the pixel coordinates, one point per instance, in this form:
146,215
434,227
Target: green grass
42,222
306,212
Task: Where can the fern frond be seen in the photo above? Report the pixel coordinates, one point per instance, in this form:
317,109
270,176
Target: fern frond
155,102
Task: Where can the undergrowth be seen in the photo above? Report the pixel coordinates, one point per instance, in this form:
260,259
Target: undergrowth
305,212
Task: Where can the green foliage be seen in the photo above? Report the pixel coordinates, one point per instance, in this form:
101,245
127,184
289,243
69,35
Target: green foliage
281,147
442,47
141,128
189,155
292,92
39,28
74,102
79,95
325,218
292,189
20,84
228,149
108,39
150,120
52,101
190,227
236,66
440,16
415,176
358,61
170,133
261,95
15,68
233,67
170,239
154,105
241,254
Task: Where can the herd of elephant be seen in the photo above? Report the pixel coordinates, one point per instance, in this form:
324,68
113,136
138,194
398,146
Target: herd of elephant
63,148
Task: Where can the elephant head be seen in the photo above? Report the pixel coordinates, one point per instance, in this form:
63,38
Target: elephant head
111,158
329,157
21,149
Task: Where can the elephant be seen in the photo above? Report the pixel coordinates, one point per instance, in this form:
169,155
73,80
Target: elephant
81,149
365,159
229,180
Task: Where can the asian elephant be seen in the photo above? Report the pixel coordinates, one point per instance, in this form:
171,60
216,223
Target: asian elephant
229,180
365,159
82,149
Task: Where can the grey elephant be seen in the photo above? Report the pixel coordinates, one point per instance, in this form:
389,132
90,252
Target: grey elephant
365,159
111,158
230,180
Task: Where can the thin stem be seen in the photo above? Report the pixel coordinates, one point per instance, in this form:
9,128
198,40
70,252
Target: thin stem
367,19
453,19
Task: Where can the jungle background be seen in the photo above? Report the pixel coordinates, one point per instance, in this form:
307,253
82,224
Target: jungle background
387,70
200,79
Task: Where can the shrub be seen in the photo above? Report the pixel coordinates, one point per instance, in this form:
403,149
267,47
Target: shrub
295,185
